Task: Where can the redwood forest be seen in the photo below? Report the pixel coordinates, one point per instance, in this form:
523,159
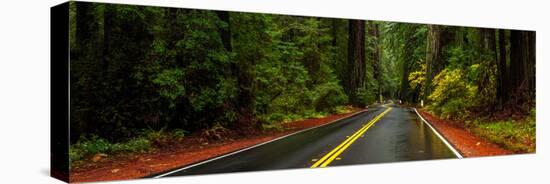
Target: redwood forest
146,79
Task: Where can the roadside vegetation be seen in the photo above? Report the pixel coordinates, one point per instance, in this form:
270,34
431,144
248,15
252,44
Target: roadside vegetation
145,77
518,135
94,148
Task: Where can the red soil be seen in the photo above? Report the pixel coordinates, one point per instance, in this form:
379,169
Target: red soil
467,144
187,152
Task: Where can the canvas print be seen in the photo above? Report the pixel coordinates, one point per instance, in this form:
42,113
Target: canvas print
151,92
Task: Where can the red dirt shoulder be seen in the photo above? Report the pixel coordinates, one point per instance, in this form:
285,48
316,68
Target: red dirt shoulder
468,144
122,167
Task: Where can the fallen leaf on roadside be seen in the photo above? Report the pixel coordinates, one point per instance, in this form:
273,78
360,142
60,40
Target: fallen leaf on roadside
145,160
97,157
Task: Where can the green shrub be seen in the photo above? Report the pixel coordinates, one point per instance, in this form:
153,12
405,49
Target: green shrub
329,95
364,97
156,137
312,114
452,94
277,126
179,133
515,135
341,109
216,132
139,144
276,117
89,146
454,108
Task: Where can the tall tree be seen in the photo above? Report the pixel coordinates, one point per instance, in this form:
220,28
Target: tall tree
433,57
243,103
522,65
81,62
502,78
83,21
408,55
108,24
376,56
356,59
334,31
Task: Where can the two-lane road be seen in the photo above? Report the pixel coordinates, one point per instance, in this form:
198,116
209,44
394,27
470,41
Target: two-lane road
383,134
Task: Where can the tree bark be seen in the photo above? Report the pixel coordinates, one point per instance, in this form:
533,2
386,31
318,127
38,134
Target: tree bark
530,60
356,58
522,66
433,57
502,86
517,67
374,33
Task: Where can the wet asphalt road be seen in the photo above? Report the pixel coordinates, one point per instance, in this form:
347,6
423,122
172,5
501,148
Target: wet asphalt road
397,135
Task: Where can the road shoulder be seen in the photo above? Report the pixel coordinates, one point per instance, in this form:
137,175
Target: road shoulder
468,144
123,167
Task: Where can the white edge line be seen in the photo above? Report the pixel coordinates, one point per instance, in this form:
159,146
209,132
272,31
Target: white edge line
254,146
439,135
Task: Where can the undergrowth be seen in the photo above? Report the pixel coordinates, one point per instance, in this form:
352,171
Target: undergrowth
275,121
515,135
147,140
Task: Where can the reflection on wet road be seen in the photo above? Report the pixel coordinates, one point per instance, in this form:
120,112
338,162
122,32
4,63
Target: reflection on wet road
381,135
399,136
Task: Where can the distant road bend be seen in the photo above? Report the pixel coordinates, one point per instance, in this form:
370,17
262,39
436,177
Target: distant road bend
385,133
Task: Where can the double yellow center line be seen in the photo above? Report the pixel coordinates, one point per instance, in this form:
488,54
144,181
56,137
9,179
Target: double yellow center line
329,157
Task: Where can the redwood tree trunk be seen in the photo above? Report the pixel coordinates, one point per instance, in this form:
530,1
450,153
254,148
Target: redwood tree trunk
502,88
373,31
517,66
522,66
356,59
433,57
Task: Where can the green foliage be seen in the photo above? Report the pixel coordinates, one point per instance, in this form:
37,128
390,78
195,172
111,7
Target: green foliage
342,109
416,78
170,82
216,132
156,137
328,96
87,147
272,122
169,68
179,133
140,71
515,135
132,146
294,79
452,94
146,141
365,97
468,81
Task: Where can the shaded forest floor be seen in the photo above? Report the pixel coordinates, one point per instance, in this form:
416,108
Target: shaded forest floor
471,141
188,151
